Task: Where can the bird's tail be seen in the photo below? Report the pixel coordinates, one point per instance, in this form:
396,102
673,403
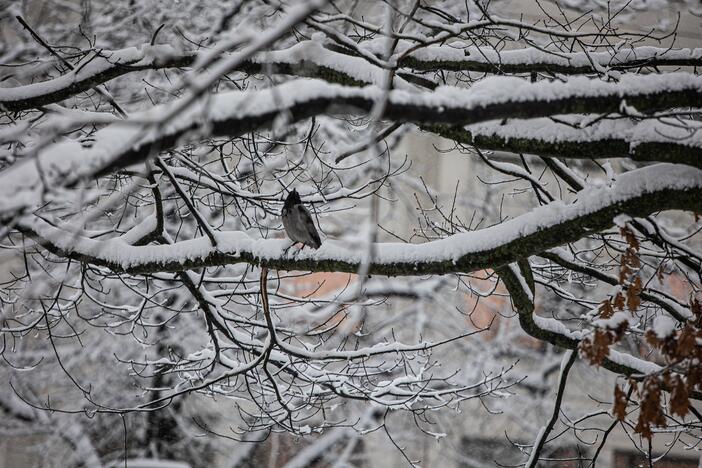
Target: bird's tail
316,242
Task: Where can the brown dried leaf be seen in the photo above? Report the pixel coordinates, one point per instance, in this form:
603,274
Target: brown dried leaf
619,301
606,310
633,301
619,407
660,272
694,376
630,238
624,272
619,331
696,309
652,338
679,398
596,347
643,427
651,412
634,261
686,342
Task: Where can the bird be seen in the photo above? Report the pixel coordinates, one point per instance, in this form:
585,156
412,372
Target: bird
298,222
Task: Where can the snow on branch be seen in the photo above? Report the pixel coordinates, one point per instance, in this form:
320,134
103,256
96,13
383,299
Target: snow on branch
459,57
235,113
312,59
555,332
637,193
662,140
95,69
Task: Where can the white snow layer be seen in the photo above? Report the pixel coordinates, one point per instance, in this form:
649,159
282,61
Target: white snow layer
22,185
632,184
663,326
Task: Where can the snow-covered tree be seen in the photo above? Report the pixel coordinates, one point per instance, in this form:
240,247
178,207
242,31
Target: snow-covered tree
147,149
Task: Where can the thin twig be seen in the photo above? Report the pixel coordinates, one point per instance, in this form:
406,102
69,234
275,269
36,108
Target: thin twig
99,88
568,359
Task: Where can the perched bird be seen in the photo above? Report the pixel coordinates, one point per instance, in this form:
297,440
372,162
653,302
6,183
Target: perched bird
298,223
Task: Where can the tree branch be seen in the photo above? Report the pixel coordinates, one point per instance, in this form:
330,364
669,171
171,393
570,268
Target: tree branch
312,60
556,333
550,139
236,113
637,193
568,360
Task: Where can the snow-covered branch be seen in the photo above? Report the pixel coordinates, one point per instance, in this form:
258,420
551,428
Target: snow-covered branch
638,193
555,332
312,59
235,113
666,140
158,243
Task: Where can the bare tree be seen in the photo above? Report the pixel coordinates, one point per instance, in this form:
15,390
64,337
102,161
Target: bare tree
146,155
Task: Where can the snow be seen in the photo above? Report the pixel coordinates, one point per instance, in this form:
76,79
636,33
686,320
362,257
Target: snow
231,245
363,345
529,56
313,53
556,326
640,365
663,326
457,51
303,54
522,281
503,89
140,230
537,442
666,130
614,321
200,82
141,56
65,162
564,362
309,454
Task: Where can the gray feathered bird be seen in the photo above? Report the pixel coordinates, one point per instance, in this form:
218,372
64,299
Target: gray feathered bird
298,222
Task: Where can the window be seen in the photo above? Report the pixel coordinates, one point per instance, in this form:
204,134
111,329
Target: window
627,459
485,453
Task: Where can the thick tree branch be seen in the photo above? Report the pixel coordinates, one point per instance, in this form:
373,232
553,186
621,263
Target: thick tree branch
637,193
553,331
99,88
236,113
307,59
536,60
549,330
654,141
311,59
